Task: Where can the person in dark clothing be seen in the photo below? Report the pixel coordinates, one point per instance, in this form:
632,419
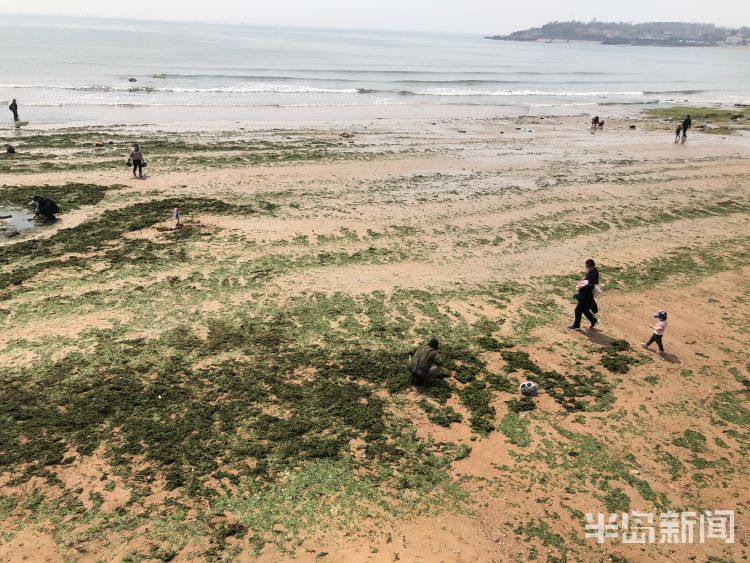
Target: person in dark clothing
686,124
586,303
44,208
677,133
424,362
14,108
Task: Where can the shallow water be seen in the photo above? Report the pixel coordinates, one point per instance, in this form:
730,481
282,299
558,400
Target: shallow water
72,70
19,221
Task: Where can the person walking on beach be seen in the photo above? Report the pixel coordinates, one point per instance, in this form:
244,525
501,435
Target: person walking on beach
136,157
677,133
424,362
585,295
659,327
686,124
14,108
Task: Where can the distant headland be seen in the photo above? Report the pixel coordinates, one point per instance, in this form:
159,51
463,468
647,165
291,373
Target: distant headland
666,34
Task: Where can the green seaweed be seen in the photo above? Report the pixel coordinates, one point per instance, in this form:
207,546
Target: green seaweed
516,428
442,416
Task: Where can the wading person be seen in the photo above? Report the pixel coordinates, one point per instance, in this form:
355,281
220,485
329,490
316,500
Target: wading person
424,362
44,208
13,107
585,295
136,157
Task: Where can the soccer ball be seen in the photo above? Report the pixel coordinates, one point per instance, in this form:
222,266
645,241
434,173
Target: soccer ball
528,389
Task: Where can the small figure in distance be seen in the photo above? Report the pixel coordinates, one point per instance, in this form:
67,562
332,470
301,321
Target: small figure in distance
136,158
13,107
595,122
44,208
686,124
176,219
677,133
424,362
601,124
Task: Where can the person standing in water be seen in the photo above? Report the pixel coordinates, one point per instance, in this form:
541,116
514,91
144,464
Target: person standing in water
136,158
14,108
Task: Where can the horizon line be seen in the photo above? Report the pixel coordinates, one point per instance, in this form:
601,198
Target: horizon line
346,28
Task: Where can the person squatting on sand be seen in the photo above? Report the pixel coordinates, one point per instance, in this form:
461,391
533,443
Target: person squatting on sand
44,208
424,362
136,158
14,108
585,295
659,327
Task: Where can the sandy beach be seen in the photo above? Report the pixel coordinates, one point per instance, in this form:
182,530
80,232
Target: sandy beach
236,389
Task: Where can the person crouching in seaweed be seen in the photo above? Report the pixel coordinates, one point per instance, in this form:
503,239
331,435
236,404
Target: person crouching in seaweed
424,362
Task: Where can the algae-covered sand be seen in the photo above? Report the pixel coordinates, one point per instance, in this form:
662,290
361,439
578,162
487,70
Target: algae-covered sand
236,389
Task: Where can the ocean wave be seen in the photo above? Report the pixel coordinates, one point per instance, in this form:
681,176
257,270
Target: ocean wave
672,92
522,93
245,89
241,77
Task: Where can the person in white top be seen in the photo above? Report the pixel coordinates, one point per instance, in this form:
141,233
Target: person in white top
659,328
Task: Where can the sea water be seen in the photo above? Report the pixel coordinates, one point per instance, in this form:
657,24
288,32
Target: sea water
64,70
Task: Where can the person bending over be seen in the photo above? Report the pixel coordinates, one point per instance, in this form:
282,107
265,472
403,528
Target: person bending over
44,208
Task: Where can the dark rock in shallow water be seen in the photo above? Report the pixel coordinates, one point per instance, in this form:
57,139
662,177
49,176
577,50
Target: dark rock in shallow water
10,150
131,79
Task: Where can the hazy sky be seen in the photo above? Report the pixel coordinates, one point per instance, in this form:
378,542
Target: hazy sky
473,16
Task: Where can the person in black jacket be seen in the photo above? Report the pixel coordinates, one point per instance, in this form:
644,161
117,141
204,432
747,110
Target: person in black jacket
586,303
13,107
686,124
44,208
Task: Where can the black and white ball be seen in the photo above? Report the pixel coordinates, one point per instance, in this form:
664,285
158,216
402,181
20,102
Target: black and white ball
528,389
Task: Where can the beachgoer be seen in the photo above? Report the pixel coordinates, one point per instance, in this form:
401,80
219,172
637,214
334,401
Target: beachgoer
176,218
136,158
424,362
601,124
677,133
14,108
659,327
44,208
585,295
595,122
686,124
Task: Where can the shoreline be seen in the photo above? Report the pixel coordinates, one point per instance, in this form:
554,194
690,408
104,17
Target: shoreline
227,119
